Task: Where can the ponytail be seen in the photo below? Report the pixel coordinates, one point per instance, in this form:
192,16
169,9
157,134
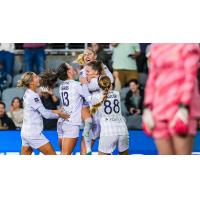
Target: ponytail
105,84
25,79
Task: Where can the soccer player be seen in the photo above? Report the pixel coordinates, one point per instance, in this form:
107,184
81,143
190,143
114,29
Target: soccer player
71,94
172,97
88,56
31,132
106,108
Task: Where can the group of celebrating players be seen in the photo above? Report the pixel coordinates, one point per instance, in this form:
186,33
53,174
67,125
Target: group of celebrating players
172,104
91,100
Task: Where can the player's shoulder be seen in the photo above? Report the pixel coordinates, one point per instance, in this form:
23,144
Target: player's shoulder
31,95
76,83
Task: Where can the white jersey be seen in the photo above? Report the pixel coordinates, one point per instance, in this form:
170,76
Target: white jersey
33,112
71,94
109,114
93,86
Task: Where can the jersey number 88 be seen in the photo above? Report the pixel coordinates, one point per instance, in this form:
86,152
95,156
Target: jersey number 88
108,109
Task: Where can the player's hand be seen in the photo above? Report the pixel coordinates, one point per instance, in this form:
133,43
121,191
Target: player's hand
83,80
62,114
138,111
148,121
50,92
180,121
132,110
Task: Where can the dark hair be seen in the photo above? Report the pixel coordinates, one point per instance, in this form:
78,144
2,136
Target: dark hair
48,78
134,81
20,101
2,103
101,47
61,71
97,66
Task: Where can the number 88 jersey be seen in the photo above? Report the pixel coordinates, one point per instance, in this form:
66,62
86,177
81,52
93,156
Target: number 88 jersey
111,120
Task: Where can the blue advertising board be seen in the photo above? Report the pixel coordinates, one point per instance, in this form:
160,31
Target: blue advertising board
139,143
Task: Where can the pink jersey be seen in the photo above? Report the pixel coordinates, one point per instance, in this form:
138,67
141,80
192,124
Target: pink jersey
173,79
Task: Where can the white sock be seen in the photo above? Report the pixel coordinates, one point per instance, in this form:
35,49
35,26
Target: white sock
87,135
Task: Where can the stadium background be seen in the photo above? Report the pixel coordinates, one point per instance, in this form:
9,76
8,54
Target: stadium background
56,53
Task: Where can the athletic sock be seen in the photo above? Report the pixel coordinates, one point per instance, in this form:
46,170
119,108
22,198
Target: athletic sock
87,135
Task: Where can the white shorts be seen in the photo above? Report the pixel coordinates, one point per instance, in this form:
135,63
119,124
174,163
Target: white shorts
67,130
35,141
107,144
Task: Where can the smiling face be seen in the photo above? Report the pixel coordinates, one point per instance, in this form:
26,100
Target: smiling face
91,73
133,87
89,56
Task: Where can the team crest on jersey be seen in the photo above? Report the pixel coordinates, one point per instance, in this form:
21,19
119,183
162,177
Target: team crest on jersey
36,100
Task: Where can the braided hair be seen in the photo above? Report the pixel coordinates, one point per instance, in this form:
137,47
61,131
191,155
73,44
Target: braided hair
105,84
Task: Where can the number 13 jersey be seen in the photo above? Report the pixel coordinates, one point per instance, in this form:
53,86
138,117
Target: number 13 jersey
71,94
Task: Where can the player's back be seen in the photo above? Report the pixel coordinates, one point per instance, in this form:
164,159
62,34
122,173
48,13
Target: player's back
109,113
72,100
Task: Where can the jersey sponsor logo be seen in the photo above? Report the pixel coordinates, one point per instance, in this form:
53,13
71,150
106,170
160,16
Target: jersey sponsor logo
36,100
114,119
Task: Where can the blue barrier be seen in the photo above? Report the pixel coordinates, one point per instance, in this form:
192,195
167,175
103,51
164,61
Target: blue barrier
139,143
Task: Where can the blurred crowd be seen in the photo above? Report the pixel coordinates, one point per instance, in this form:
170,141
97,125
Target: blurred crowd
127,61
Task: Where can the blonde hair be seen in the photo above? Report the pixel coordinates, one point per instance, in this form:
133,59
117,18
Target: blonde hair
80,59
90,49
25,80
105,84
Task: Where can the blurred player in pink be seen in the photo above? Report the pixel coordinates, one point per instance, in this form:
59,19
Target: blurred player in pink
172,100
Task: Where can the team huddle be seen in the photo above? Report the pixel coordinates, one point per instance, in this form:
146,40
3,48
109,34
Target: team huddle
90,100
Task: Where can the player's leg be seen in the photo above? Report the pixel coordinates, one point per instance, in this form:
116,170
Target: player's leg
123,144
184,145
47,149
60,134
70,138
26,150
162,138
101,153
107,144
86,139
164,146
60,143
68,145
41,143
